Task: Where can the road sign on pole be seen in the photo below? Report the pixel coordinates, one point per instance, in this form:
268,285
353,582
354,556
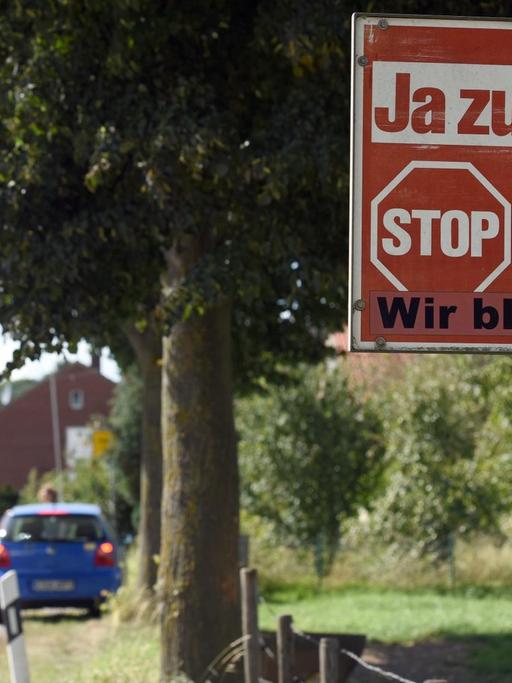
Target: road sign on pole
101,441
11,619
431,212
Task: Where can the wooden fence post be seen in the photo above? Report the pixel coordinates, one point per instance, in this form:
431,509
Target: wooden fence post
284,649
328,656
252,654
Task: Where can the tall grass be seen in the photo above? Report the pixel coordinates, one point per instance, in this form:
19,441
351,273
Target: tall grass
480,562
130,604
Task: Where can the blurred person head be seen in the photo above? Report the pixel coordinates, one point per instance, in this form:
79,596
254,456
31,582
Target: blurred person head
47,494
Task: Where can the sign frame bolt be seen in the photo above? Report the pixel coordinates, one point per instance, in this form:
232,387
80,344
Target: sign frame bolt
383,24
380,342
360,305
363,60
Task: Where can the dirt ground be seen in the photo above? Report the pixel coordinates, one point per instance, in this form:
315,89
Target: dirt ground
434,659
55,644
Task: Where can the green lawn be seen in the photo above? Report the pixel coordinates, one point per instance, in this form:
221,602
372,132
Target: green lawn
393,615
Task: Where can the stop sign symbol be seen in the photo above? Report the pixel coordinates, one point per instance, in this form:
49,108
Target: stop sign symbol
438,223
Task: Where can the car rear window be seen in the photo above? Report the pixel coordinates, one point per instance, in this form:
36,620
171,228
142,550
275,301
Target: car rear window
58,527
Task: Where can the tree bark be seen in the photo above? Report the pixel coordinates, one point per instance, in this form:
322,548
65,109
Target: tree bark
148,349
198,576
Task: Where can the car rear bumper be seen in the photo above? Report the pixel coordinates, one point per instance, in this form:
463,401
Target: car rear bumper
86,588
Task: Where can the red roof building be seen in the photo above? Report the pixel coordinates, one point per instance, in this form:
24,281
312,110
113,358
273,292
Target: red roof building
33,427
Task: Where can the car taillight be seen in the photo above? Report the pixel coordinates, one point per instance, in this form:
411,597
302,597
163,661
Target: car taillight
5,560
51,512
105,555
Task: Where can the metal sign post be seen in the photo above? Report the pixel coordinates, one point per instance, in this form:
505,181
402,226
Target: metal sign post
431,200
11,618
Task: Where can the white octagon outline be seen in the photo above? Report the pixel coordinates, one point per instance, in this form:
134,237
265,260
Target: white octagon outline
467,166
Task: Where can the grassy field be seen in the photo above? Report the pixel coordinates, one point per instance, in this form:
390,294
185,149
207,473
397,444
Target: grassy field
73,649
394,615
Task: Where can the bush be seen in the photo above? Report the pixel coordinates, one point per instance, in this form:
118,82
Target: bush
450,472
311,454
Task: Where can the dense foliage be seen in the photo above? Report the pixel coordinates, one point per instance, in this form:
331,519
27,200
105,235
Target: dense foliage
311,454
445,424
127,126
125,452
449,449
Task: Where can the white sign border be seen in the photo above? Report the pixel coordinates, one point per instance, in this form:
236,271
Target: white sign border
16,649
359,20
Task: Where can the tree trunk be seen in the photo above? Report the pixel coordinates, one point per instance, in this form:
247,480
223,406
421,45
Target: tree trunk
198,576
148,349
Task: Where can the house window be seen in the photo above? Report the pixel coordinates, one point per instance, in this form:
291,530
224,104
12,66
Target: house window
76,399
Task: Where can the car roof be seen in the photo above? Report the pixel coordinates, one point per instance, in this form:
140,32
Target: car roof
69,508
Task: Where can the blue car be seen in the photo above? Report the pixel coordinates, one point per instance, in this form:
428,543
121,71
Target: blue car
64,554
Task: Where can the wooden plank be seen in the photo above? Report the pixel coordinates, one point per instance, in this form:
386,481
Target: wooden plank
329,659
243,550
285,649
252,655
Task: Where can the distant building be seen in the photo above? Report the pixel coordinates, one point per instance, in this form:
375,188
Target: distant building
36,426
368,368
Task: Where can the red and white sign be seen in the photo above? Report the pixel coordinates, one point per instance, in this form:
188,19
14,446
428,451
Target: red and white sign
431,212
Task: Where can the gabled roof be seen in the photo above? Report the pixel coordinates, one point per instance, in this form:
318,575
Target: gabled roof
62,371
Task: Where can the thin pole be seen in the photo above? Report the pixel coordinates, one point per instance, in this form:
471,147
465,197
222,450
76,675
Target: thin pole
57,451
